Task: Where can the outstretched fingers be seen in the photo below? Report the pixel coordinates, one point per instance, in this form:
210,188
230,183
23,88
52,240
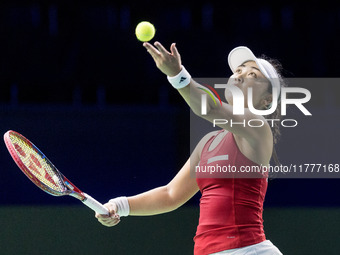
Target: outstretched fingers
161,48
168,62
152,50
174,50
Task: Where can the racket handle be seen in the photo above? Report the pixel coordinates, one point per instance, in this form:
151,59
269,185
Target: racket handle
95,205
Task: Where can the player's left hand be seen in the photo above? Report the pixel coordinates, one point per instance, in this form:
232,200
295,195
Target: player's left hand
168,62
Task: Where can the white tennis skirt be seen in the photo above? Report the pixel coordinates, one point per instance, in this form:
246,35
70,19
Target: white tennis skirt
264,248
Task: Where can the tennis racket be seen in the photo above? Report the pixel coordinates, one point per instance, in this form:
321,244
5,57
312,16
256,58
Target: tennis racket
36,166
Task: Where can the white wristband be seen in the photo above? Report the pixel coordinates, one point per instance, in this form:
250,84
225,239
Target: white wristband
181,80
123,207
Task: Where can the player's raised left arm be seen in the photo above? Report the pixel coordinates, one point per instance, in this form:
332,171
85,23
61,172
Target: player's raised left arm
169,62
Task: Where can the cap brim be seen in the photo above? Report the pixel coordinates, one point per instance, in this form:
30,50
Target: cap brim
238,56
242,54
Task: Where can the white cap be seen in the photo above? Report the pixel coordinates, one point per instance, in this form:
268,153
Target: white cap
242,54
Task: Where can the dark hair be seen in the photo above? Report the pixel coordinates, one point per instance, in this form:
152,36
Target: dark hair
277,114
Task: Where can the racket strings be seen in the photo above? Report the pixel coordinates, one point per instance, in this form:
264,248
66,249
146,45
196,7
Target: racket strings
37,164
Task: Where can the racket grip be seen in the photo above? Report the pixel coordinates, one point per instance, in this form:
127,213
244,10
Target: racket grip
95,205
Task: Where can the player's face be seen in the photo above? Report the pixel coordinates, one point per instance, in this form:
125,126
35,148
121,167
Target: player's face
248,75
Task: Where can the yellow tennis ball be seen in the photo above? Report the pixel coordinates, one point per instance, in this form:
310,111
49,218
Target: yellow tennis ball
145,31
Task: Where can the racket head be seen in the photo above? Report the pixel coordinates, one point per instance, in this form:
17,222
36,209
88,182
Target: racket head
35,165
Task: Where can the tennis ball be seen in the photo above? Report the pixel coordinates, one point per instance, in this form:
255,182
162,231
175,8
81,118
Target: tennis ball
145,31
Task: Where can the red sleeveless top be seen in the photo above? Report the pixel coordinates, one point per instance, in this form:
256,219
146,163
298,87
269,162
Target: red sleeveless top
230,208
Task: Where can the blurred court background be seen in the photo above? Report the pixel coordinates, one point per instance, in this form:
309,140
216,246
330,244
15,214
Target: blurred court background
75,80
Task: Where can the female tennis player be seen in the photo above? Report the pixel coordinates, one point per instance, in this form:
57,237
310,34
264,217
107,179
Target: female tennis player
230,219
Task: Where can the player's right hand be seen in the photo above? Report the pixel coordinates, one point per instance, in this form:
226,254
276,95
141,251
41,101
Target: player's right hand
109,220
